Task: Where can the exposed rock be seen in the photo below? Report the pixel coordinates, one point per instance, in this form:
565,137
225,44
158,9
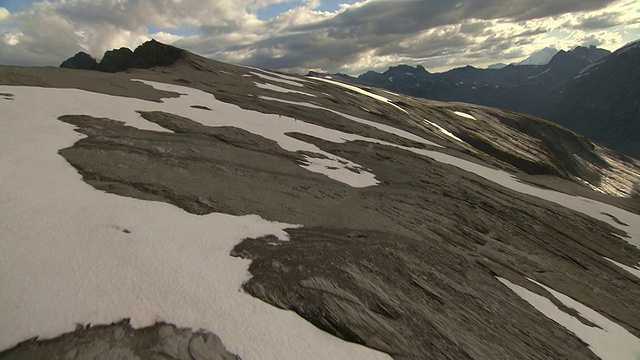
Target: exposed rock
82,61
121,341
153,53
147,55
407,267
117,60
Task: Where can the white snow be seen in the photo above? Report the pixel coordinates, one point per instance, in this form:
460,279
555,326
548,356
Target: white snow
444,131
362,92
383,127
540,74
280,89
338,171
464,115
635,270
64,258
392,93
282,76
610,341
278,78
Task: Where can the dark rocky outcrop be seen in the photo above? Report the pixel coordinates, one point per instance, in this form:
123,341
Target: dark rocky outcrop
117,60
81,60
153,53
147,55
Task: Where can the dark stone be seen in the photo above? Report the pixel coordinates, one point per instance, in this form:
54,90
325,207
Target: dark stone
117,60
147,55
153,53
81,60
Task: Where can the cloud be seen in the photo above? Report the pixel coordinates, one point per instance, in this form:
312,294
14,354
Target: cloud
371,34
4,13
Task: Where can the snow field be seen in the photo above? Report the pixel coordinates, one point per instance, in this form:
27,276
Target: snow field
65,257
85,249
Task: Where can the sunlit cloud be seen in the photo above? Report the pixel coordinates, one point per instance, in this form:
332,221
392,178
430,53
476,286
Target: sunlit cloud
303,35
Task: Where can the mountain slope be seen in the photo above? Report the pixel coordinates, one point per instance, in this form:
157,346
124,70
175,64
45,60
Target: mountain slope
603,101
405,228
540,57
528,89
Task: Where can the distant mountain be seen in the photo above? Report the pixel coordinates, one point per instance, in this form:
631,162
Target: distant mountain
603,101
497,66
540,57
523,88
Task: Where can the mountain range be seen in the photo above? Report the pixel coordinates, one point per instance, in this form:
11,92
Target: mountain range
566,90
159,204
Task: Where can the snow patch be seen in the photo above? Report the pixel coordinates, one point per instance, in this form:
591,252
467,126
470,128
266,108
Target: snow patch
464,115
278,78
610,341
280,89
444,131
635,270
335,168
538,75
361,91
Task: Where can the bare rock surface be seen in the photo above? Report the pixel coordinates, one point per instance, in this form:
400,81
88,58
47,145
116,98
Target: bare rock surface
407,267
120,341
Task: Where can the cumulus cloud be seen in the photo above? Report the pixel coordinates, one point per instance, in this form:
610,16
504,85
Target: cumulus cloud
368,34
4,13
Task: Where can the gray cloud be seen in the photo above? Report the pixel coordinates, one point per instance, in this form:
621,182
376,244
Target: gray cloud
372,35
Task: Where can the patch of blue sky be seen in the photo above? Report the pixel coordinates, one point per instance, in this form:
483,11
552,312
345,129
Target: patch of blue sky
333,5
16,5
273,10
184,30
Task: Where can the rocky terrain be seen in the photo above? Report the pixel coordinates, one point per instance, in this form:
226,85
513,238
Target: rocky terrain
588,90
121,341
415,265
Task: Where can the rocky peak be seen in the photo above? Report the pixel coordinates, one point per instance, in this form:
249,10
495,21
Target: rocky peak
153,53
150,54
81,60
117,60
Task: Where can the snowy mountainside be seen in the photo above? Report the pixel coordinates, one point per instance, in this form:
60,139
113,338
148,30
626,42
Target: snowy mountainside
293,217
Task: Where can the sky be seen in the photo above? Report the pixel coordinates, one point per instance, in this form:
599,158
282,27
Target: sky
347,36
